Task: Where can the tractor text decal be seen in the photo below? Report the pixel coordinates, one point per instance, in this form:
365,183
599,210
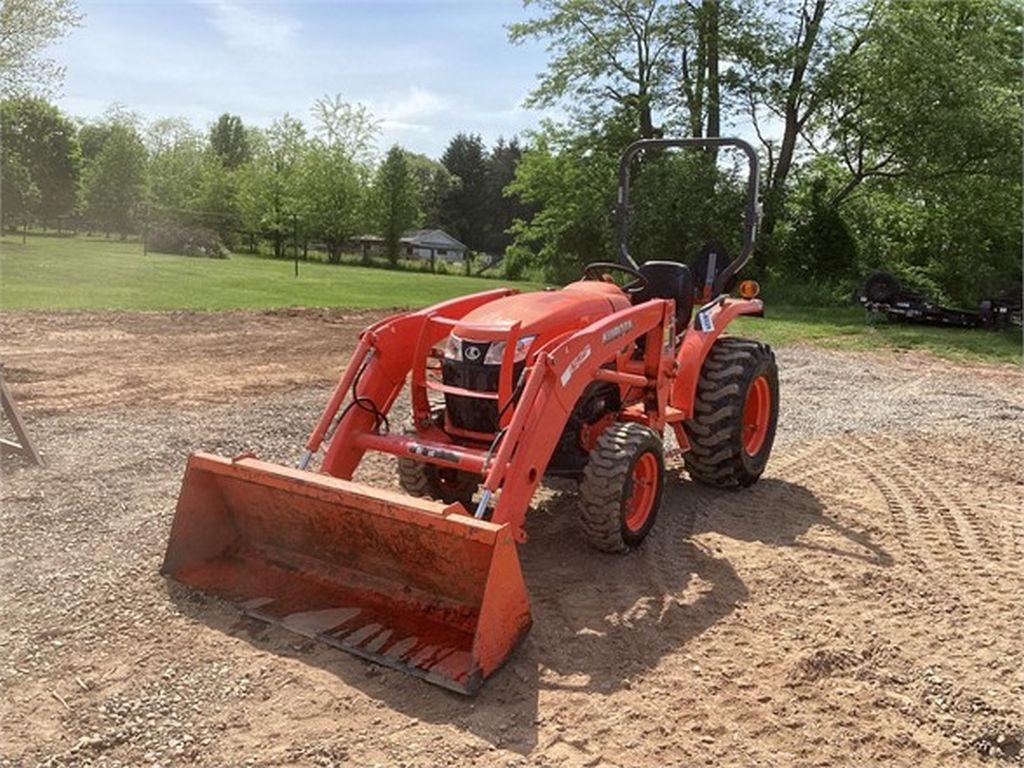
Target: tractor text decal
704,321
434,453
575,364
616,331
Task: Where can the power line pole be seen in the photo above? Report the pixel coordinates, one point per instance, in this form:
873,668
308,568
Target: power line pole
295,241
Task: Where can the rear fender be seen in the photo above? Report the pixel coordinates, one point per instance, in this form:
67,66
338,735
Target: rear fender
697,344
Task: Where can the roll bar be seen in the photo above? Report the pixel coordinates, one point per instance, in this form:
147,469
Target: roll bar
752,210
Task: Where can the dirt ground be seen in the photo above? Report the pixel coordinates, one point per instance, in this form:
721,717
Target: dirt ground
862,605
76,360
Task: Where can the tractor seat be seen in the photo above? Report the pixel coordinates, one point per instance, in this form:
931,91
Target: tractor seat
668,280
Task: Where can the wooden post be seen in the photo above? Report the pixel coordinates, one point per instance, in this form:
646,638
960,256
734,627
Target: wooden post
25,445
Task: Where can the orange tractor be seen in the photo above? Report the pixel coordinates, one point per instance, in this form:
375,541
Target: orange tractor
505,388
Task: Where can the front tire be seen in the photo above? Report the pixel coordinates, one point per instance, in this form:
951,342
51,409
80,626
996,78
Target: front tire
417,478
735,414
620,492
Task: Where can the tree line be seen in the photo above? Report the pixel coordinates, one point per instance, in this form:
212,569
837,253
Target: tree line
888,131
889,135
236,184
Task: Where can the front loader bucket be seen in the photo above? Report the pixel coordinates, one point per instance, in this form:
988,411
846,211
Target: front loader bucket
405,582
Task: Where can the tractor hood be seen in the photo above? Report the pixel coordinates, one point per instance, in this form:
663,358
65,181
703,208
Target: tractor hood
546,314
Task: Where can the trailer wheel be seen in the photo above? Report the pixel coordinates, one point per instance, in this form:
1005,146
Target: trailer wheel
620,492
735,414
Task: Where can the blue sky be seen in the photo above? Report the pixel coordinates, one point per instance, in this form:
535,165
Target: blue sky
427,69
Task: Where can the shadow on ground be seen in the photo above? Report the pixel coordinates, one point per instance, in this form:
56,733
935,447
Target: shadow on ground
601,621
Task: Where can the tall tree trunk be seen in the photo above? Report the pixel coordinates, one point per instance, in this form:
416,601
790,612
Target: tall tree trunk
714,103
646,119
794,119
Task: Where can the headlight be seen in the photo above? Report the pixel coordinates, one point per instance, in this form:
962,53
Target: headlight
453,349
497,350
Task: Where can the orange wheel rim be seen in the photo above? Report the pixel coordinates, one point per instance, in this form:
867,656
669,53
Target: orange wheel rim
756,413
643,491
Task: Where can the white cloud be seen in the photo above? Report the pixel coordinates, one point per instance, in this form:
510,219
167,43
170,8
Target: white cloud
412,110
246,25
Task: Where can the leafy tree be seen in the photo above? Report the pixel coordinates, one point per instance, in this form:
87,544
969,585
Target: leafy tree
434,183
465,203
27,29
501,209
789,65
214,201
396,199
605,57
17,189
331,199
923,142
570,179
40,161
349,128
819,246
270,184
175,162
934,93
91,138
229,140
115,180
680,203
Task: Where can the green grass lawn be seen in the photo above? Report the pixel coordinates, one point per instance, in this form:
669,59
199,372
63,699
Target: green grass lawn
93,273
50,273
847,328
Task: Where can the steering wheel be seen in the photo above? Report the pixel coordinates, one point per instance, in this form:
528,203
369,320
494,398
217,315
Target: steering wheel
595,270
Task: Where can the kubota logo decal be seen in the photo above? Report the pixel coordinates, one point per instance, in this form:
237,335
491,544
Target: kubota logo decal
619,330
574,366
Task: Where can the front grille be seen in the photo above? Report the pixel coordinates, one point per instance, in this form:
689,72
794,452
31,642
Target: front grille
475,414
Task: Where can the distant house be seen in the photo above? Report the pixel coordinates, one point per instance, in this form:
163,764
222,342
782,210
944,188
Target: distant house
427,244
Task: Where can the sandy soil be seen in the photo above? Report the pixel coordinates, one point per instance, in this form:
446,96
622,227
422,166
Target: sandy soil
862,604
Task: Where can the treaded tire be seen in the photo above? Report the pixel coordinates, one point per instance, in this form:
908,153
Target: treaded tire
881,288
719,455
418,478
607,486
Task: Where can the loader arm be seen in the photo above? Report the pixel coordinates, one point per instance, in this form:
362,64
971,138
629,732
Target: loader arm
384,358
553,385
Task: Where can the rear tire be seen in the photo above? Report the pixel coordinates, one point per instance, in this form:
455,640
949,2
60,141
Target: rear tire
620,492
735,414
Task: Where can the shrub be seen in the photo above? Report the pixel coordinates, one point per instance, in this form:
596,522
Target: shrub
170,237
